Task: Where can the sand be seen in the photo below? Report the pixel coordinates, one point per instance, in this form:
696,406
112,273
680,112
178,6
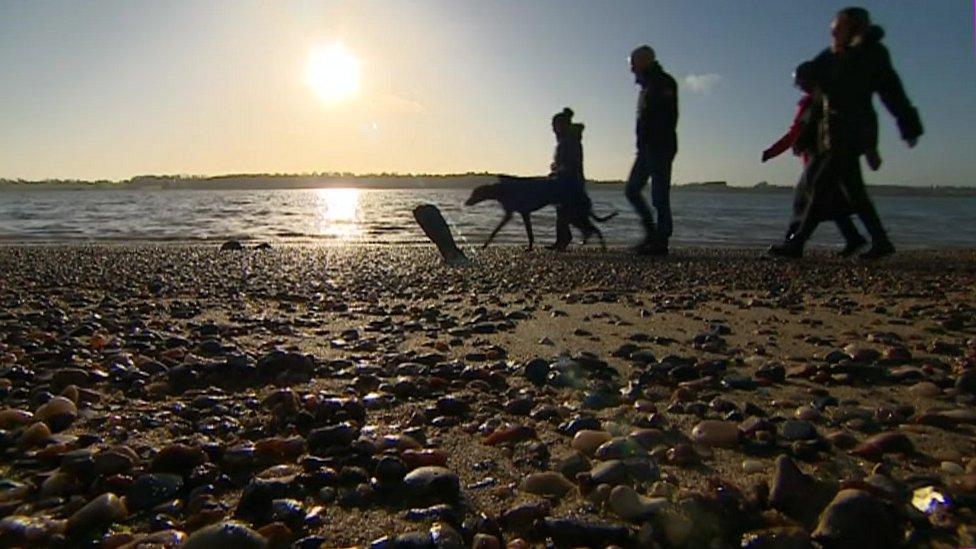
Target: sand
362,312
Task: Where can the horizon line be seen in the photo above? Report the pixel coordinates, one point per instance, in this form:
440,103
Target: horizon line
181,178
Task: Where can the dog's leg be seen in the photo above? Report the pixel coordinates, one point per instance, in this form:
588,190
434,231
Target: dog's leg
603,245
506,219
527,219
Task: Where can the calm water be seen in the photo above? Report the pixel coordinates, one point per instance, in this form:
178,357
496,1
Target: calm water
384,216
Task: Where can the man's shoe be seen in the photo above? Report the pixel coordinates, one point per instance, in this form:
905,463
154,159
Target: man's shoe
852,247
557,247
787,249
878,250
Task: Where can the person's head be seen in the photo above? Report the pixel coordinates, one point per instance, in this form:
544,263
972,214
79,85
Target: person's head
848,26
805,76
641,59
562,120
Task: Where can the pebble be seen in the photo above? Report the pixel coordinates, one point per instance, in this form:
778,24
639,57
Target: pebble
113,461
226,534
807,413
152,489
510,434
619,448
952,468
575,532
629,505
524,516
444,536
536,371
682,454
58,413
12,418
34,435
884,443
432,483
324,438
600,494
855,518
11,490
59,484
257,500
390,471
612,472
178,459
547,483
99,512
715,433
751,466
861,353
424,458
796,494
795,429
587,441
485,541
23,531
925,389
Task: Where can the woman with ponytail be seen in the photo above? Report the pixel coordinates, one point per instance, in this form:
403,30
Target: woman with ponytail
566,171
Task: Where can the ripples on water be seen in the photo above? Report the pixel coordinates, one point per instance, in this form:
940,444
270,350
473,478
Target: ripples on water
353,216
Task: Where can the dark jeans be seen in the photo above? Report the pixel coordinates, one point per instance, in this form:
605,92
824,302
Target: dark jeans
655,166
841,172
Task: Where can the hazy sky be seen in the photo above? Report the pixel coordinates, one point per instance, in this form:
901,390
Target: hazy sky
112,89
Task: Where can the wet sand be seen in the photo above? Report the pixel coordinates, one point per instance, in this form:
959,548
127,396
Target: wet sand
712,398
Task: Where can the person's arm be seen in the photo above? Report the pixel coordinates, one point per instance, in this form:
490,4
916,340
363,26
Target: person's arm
670,96
789,138
889,87
781,144
643,117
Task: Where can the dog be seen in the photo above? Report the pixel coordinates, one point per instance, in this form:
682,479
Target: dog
524,195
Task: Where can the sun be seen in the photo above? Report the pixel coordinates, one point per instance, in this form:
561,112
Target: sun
332,72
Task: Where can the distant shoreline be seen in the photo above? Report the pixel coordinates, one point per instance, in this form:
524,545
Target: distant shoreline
387,181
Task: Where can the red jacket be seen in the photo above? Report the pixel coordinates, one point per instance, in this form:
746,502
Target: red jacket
791,135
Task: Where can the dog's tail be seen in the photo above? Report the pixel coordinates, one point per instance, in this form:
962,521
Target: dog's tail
605,218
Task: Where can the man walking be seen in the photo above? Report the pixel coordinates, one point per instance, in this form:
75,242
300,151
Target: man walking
657,145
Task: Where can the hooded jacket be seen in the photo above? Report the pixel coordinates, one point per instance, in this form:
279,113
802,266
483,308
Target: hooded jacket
849,80
657,112
567,163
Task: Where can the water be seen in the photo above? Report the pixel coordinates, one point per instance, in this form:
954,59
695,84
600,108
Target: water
353,216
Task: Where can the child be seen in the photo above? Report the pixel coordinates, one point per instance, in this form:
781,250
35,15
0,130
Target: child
802,136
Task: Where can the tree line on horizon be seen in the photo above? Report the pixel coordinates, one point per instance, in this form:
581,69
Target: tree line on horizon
164,180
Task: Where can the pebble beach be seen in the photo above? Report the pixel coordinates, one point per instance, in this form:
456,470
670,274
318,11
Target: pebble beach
372,396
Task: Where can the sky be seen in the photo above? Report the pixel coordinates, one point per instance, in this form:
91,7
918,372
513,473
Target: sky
114,89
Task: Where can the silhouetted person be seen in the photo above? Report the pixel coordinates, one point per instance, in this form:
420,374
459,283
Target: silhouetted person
657,145
853,69
801,137
567,172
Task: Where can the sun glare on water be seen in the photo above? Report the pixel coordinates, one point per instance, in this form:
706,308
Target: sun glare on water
332,72
338,213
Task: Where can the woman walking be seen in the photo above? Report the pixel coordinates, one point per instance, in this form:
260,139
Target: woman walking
855,67
566,171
